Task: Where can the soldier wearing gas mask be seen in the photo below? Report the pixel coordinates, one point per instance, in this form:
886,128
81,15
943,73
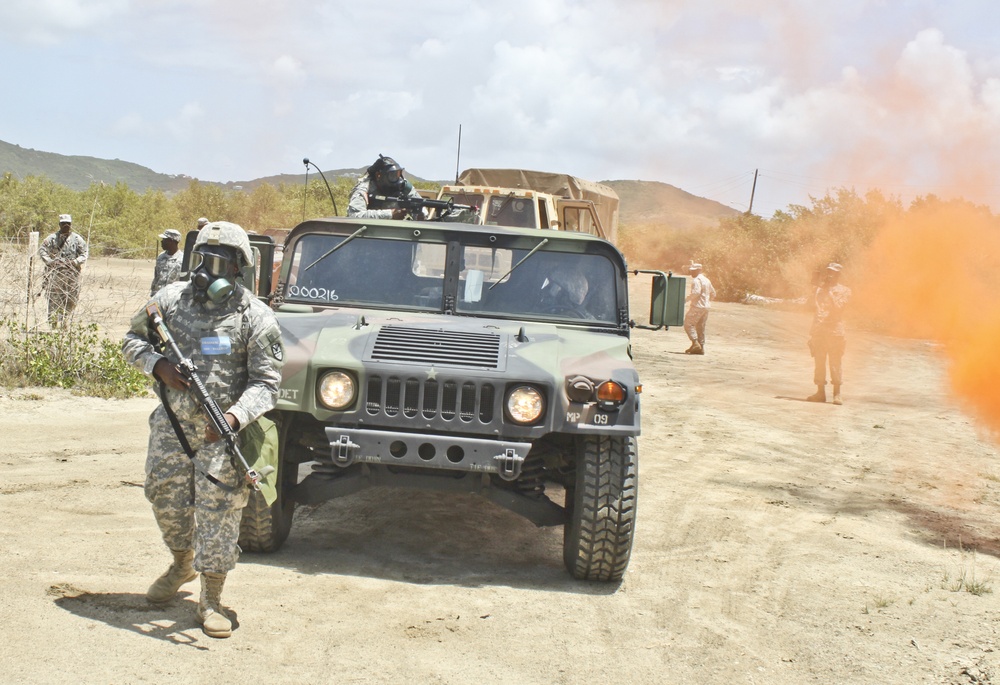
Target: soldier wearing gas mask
234,341
373,197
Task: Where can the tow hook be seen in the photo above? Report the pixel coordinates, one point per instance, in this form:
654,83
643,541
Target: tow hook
343,450
508,464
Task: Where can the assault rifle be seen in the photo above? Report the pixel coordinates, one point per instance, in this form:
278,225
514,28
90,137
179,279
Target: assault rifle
413,205
210,406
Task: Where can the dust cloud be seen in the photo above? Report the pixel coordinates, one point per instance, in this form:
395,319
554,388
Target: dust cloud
934,273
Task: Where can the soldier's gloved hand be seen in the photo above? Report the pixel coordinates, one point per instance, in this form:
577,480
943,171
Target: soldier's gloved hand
171,376
212,436
399,213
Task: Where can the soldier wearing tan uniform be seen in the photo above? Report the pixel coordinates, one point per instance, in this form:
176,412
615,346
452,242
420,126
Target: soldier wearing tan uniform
700,299
827,339
234,341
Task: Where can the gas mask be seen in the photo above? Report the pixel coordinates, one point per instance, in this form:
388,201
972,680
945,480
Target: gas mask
390,181
213,274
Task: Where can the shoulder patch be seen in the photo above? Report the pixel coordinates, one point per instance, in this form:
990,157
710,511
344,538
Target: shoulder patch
271,341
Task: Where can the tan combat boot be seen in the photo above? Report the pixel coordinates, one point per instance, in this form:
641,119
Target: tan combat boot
180,572
695,348
836,395
820,395
211,616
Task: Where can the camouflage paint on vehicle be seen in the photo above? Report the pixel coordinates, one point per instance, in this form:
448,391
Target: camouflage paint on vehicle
416,354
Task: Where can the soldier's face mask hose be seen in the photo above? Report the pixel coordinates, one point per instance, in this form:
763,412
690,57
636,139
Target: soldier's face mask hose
212,276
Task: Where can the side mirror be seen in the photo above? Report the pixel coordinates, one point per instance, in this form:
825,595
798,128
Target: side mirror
666,300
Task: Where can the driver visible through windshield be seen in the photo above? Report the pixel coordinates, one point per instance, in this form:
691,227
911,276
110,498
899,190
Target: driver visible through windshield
510,283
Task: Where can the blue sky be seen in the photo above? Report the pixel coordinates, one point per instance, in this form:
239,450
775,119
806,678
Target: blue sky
903,95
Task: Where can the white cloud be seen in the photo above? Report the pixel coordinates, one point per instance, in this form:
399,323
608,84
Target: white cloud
184,124
48,22
287,69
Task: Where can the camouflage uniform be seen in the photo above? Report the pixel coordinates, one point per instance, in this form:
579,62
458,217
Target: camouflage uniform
236,347
700,298
63,257
362,206
168,270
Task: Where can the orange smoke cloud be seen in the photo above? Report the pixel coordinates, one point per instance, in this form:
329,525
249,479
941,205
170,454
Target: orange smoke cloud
935,273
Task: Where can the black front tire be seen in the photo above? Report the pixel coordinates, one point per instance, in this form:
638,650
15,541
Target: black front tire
265,528
597,541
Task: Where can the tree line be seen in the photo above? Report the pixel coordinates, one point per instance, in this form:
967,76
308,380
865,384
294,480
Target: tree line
747,254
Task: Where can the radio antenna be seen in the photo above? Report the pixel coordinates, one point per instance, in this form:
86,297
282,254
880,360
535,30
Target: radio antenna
305,160
459,156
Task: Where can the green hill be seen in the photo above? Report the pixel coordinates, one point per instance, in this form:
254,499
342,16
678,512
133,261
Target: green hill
77,172
642,202
654,203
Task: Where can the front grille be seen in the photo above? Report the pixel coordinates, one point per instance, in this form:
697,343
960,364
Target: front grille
437,347
393,396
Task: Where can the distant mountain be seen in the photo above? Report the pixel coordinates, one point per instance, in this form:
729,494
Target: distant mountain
642,202
652,202
79,172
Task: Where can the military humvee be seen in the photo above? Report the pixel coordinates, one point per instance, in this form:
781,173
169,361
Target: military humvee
461,358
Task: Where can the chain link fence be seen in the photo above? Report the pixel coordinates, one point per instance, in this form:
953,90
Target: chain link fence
112,289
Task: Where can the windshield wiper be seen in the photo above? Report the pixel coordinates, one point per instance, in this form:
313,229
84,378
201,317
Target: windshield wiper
337,247
533,251
496,212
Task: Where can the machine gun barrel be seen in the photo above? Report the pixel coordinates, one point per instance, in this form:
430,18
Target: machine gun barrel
211,407
415,204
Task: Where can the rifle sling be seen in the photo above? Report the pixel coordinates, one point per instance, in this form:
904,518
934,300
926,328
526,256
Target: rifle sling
182,439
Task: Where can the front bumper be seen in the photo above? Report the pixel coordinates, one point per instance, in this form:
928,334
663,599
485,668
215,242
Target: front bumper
353,445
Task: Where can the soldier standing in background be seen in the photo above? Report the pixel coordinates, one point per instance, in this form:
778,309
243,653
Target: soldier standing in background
63,253
168,263
700,298
202,222
827,337
234,341
385,178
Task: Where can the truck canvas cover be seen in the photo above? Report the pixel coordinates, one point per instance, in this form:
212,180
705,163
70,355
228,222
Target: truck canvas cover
605,199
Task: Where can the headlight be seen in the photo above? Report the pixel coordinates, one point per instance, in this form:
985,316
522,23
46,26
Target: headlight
336,390
525,404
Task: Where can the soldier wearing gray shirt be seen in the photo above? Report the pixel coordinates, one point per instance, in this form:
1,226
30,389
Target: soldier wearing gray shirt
63,253
168,263
372,196
234,341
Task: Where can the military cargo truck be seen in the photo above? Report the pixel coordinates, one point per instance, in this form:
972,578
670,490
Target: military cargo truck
461,358
536,199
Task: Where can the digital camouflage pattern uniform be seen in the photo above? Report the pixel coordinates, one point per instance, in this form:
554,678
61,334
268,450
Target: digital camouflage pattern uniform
167,270
236,347
63,257
363,206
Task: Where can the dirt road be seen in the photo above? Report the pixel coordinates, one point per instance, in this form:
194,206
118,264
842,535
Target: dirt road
778,541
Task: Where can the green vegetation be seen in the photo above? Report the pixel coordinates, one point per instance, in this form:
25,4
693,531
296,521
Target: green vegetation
778,257
121,222
75,358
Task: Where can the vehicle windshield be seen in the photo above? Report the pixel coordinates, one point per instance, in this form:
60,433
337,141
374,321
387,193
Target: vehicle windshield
492,281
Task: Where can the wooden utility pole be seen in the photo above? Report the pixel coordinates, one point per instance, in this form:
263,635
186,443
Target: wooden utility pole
752,191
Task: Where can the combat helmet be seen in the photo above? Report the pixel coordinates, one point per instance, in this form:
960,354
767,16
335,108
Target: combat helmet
226,233
387,175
